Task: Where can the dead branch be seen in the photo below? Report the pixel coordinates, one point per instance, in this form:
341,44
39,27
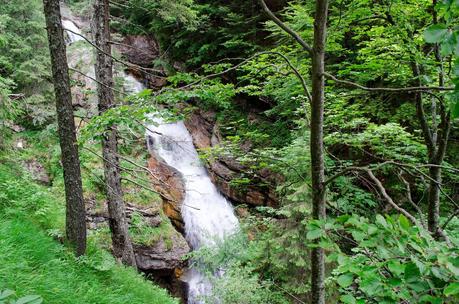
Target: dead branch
97,81
285,28
410,199
127,64
406,89
449,219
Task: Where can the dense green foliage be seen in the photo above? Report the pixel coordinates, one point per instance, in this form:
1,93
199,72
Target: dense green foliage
224,57
24,62
193,32
33,258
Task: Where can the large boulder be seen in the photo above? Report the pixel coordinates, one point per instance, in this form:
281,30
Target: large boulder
165,257
37,171
205,133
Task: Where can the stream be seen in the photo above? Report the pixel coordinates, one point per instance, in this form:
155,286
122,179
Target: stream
207,215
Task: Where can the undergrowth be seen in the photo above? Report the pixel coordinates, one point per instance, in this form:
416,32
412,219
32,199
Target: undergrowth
32,261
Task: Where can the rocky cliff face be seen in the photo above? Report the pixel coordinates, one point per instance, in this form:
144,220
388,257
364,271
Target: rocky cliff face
204,130
164,257
168,182
142,51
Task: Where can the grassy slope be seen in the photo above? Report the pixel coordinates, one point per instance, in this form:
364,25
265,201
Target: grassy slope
32,262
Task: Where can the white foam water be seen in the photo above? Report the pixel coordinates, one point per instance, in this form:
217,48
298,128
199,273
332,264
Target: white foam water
71,37
131,85
208,216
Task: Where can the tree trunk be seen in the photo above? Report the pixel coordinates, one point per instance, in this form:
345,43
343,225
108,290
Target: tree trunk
317,145
435,137
121,241
434,200
75,210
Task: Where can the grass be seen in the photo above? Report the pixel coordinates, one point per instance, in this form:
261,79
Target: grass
33,262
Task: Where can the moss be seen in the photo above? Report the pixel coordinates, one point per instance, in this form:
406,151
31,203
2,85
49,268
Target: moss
142,233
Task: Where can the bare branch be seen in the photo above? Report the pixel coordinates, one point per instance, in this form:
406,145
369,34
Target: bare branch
384,193
16,96
410,199
379,186
127,64
95,80
284,27
406,89
449,219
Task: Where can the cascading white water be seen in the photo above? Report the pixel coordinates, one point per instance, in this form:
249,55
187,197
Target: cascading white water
208,216
131,85
71,37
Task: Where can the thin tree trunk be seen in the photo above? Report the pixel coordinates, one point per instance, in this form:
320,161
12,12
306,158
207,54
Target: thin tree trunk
317,145
122,245
439,135
434,200
75,210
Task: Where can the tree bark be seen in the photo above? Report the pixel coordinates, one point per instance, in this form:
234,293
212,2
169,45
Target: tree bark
122,245
317,145
75,210
436,139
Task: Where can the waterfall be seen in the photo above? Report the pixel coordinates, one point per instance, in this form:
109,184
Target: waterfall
71,37
208,216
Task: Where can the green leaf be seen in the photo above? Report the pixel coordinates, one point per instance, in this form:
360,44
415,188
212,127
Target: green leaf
5,294
314,234
348,299
404,222
451,289
381,220
455,109
32,299
430,299
435,33
395,267
412,273
345,280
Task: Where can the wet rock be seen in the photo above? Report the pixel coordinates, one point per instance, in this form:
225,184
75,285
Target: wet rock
242,212
139,49
168,182
37,171
142,51
13,127
165,257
